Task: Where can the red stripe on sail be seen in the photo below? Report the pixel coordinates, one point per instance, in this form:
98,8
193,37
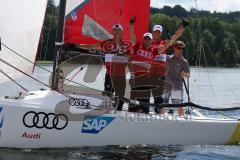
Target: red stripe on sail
107,13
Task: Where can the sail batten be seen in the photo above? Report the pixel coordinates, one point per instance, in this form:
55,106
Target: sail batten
20,29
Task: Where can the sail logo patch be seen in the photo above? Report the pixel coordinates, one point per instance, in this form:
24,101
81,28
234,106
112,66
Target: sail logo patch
74,15
94,124
1,117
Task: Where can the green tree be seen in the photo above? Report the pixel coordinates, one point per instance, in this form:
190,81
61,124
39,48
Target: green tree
209,40
230,54
217,34
235,28
47,43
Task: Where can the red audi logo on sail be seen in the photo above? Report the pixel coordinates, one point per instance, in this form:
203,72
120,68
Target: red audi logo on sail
40,120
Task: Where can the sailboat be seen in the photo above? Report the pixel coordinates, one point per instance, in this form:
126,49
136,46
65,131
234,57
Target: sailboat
70,116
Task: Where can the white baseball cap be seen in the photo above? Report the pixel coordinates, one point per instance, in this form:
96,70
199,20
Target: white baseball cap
118,26
147,35
157,28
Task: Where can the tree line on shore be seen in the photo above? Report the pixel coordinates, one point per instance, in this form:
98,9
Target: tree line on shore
212,39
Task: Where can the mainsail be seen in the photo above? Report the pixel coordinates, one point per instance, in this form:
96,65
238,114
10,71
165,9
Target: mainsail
91,21
104,14
20,29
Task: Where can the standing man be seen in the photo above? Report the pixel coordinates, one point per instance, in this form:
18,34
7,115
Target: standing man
143,69
115,62
178,70
140,66
157,34
161,57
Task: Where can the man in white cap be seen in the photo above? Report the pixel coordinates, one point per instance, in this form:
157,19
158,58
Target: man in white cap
143,70
139,67
115,77
161,57
157,33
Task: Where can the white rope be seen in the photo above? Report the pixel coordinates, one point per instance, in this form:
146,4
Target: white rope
202,43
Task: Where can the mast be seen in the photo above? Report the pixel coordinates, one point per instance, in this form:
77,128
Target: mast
58,44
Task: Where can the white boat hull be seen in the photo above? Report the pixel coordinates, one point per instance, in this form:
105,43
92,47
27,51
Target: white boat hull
25,123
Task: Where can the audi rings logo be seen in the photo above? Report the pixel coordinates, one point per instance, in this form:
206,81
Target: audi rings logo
45,120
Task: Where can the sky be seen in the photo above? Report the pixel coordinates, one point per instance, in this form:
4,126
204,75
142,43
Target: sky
210,5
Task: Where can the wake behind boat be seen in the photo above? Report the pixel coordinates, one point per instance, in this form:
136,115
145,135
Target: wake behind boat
70,115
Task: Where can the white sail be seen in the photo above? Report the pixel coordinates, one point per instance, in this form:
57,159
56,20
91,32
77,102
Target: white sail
21,23
72,4
92,29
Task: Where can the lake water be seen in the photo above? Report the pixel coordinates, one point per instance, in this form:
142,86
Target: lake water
212,87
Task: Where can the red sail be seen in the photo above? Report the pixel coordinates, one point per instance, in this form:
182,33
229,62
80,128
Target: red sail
106,13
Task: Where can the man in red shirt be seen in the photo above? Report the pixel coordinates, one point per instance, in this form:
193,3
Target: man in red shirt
161,57
144,70
115,62
139,67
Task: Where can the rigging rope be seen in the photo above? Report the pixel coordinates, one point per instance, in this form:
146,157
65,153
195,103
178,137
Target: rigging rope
218,66
18,54
100,54
135,102
189,104
80,101
13,80
31,77
5,62
124,98
201,50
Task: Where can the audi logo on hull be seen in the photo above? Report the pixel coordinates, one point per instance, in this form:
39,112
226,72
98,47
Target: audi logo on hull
45,120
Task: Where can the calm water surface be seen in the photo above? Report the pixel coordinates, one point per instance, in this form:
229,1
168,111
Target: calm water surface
209,87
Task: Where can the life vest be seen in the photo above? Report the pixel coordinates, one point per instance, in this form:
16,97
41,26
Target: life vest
115,63
160,58
142,59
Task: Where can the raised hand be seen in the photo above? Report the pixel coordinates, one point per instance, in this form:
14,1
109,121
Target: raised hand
132,20
185,22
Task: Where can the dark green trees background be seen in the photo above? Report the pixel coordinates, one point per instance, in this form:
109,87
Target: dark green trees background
212,39
47,43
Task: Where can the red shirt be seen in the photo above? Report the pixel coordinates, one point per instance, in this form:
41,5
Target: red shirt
160,58
157,44
115,65
142,59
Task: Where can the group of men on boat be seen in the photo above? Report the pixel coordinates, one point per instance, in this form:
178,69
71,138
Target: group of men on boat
151,68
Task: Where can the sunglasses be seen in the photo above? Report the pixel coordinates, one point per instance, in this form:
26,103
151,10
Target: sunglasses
147,38
180,48
116,29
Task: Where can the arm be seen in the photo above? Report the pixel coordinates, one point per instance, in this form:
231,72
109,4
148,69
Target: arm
178,33
162,48
185,23
185,74
171,40
186,70
132,35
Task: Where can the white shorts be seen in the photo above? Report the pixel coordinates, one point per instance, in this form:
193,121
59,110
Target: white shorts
176,96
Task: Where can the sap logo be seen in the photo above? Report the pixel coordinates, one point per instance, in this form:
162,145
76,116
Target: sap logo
1,117
94,124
